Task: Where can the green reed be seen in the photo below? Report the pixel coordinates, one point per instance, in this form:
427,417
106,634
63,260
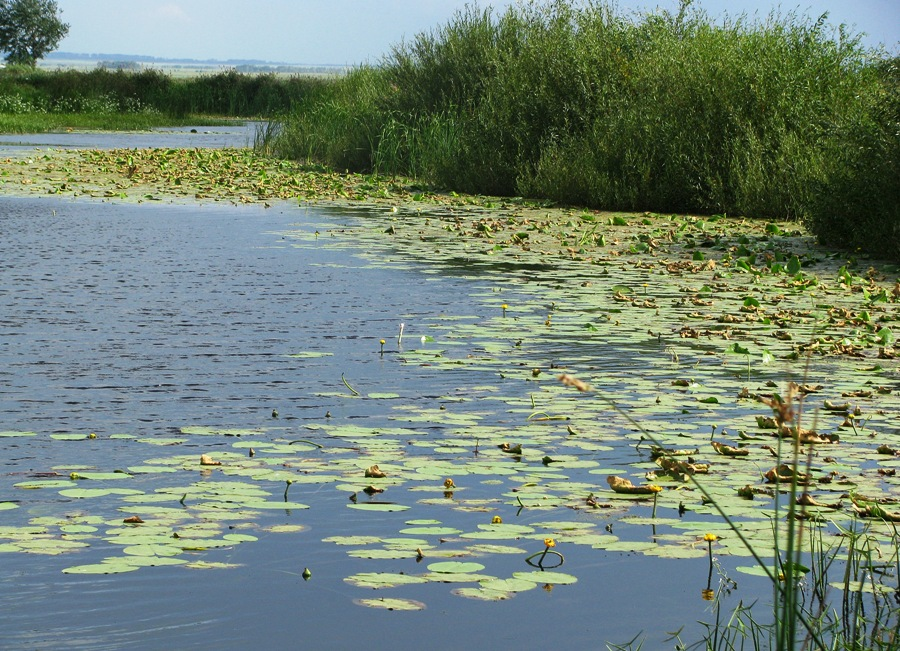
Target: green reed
225,94
664,111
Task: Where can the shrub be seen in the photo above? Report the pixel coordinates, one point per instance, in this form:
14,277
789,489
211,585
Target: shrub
857,204
786,118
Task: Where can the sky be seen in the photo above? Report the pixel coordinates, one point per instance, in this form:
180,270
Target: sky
350,32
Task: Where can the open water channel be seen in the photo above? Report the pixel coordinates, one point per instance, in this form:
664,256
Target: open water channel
131,335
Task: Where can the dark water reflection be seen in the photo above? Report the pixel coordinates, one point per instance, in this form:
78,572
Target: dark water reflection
141,319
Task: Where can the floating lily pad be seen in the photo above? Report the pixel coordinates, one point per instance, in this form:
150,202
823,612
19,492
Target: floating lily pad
391,604
84,493
456,577
113,567
309,354
286,528
508,585
383,579
455,567
379,507
556,578
480,594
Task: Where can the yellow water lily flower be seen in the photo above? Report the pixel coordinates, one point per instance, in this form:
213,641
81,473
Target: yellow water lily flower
448,483
496,520
549,542
710,537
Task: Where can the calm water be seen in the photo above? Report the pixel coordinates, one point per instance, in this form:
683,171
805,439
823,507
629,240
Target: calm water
239,135
142,319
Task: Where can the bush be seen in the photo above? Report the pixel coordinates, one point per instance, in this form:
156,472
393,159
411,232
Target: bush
581,104
229,93
339,124
857,204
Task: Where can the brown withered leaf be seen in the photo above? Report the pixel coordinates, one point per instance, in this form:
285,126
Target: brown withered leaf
808,500
374,472
785,474
729,451
622,485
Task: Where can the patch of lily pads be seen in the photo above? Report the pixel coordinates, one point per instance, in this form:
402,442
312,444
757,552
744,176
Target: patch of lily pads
675,338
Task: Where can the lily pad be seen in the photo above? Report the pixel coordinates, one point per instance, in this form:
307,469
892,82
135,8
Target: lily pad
391,604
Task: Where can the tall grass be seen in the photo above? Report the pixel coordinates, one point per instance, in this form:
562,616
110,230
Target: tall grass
225,94
665,111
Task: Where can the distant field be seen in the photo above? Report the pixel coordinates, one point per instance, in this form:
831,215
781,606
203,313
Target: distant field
191,68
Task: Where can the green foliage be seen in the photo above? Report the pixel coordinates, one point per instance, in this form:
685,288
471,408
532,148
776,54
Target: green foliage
339,123
29,29
24,90
664,111
857,202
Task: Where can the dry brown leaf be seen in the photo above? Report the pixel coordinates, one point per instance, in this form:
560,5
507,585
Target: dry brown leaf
374,472
622,485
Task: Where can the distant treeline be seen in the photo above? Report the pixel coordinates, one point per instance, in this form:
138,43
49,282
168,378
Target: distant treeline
225,94
575,102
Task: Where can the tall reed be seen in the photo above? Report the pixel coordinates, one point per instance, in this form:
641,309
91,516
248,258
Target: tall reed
664,111
227,94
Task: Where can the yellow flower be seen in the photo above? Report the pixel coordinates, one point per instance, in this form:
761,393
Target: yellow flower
381,341
708,594
710,537
496,520
504,306
549,542
448,483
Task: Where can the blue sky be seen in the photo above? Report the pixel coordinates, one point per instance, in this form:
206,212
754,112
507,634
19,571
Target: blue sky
354,31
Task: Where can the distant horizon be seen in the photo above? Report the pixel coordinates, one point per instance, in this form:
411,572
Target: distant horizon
121,56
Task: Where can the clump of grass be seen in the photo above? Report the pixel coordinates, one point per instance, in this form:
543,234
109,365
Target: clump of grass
338,124
665,111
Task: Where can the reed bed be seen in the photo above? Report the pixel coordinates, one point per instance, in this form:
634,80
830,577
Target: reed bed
784,117
25,90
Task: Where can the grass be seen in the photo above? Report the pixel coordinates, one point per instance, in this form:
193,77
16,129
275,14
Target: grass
71,93
49,122
667,112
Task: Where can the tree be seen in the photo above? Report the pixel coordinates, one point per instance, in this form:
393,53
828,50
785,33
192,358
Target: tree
29,29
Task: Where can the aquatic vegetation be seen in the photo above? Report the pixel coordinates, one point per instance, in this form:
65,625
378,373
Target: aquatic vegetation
528,459
549,544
